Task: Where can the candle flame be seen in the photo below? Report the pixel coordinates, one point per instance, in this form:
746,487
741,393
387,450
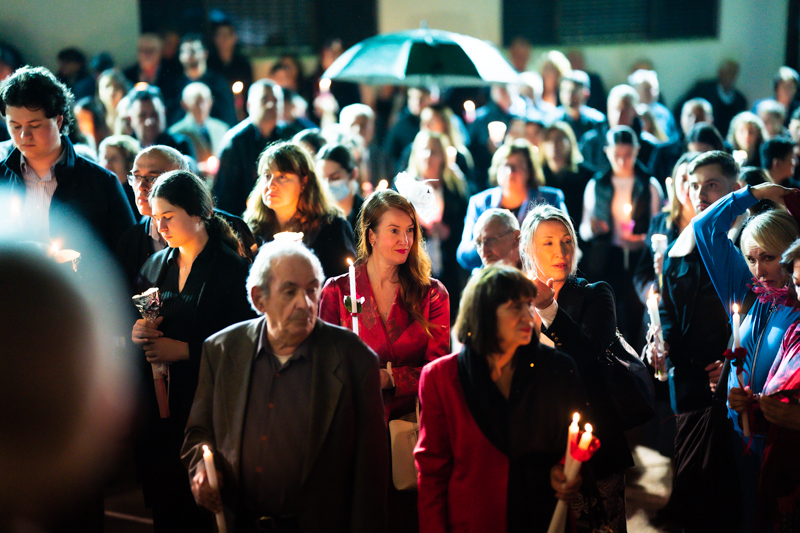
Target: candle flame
735,309
205,447
588,428
237,87
668,181
141,86
576,417
469,106
382,185
497,130
652,292
349,261
628,208
324,85
54,248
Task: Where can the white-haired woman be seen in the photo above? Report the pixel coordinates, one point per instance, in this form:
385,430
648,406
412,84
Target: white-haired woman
579,318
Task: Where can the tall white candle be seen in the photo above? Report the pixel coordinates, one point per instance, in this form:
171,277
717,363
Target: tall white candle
211,473
573,430
735,319
353,298
586,438
652,309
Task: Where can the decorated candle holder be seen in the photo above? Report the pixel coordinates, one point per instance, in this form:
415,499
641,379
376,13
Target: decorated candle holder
737,357
349,305
581,449
149,305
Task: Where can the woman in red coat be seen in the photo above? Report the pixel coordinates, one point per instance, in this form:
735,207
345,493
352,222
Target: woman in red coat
494,416
405,317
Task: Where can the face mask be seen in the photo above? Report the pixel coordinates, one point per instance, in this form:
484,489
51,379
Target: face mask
340,189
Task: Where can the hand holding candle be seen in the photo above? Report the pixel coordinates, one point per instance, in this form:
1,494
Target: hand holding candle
655,323
738,362
353,296
587,446
211,474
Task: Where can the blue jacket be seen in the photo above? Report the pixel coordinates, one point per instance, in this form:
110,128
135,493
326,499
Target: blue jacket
467,255
765,324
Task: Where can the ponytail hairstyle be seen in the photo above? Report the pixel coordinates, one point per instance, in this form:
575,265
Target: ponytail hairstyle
187,191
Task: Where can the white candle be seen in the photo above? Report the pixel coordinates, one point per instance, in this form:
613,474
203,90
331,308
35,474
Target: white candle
586,438
497,131
211,474
469,111
353,299
652,309
737,342
324,85
573,431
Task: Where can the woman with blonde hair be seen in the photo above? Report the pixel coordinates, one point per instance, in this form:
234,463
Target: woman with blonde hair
734,273
553,66
290,197
405,316
429,162
579,319
747,132
563,165
520,185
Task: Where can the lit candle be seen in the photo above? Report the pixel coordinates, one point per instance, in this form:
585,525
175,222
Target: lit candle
353,299
324,85
452,153
627,228
382,186
211,473
237,87
586,438
573,431
737,341
497,131
212,165
740,156
659,244
469,111
670,191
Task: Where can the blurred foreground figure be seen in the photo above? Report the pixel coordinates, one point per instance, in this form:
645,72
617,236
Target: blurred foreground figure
64,395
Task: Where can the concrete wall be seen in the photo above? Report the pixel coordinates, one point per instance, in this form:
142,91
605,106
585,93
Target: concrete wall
40,28
754,33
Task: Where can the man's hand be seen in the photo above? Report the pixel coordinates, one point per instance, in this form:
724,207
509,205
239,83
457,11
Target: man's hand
386,379
203,493
781,413
564,491
714,371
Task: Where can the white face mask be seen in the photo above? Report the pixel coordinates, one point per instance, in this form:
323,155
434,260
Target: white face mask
340,189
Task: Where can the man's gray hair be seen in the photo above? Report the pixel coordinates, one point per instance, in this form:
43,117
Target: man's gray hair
261,271
503,216
169,153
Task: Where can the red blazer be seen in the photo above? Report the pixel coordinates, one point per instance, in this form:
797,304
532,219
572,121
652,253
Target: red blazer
463,478
401,340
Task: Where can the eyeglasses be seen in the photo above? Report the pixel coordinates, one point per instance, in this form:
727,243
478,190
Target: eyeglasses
147,181
488,242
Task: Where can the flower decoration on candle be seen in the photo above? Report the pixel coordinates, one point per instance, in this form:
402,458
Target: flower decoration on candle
586,447
149,305
419,193
737,355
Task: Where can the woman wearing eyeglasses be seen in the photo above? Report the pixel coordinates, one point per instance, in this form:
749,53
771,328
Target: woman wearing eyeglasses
520,185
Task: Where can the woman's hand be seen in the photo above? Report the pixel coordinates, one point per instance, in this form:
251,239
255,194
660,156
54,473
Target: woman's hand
145,331
564,491
714,372
770,191
658,263
781,413
164,351
203,493
599,226
544,293
739,399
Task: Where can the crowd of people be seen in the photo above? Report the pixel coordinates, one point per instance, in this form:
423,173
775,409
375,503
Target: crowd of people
494,256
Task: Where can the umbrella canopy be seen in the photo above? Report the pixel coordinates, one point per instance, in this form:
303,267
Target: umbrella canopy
423,57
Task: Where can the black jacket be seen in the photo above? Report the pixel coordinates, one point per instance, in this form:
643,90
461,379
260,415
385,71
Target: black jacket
84,189
584,327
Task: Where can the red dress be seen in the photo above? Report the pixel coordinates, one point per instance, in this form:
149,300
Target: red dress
401,340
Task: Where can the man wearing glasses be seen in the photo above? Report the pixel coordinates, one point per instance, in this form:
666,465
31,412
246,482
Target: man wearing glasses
54,183
496,237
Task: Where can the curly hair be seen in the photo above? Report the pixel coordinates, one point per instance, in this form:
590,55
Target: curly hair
37,88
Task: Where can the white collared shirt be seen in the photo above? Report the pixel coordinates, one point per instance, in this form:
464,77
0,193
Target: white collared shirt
38,197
